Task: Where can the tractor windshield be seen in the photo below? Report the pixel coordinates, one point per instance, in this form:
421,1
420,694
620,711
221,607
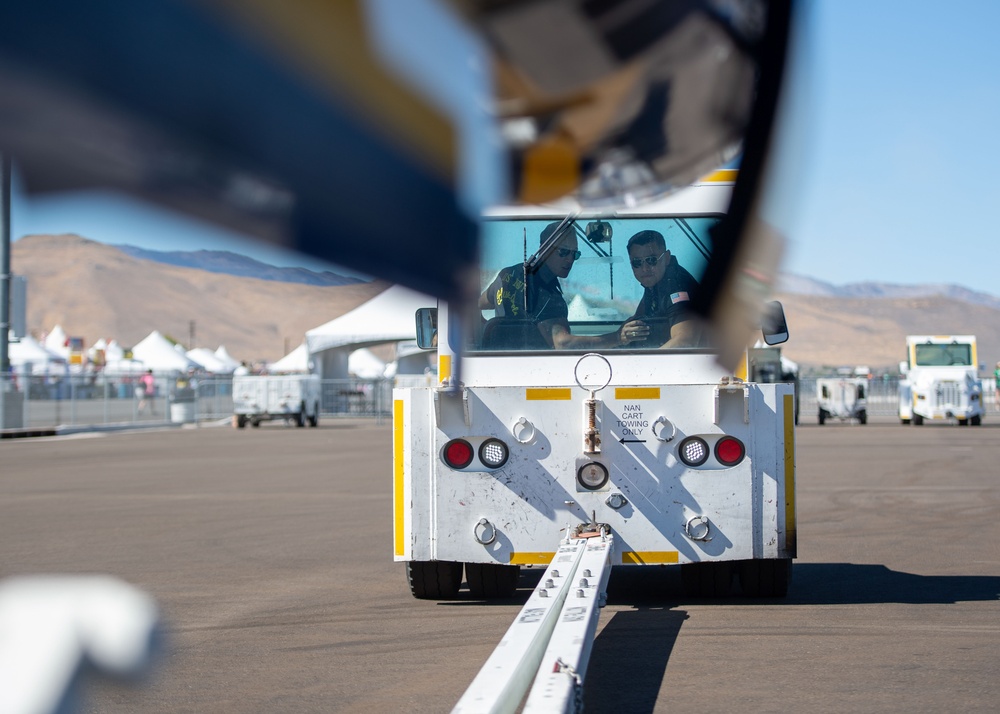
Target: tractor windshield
625,282
943,355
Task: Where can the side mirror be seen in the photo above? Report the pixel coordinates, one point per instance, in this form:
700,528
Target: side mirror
427,326
904,367
773,324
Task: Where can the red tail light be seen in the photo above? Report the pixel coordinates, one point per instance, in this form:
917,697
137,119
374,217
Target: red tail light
458,453
729,451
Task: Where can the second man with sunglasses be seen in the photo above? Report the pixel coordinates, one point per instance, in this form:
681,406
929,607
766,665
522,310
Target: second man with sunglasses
663,317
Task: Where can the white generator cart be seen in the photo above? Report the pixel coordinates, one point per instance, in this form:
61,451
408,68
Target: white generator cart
941,380
679,461
294,398
842,398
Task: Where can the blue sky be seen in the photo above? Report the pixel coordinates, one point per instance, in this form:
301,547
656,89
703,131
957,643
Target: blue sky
897,171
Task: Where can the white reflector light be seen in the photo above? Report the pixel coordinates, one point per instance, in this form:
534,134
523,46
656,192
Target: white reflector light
693,451
493,453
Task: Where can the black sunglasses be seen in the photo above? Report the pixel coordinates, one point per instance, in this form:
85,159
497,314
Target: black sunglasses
563,252
648,260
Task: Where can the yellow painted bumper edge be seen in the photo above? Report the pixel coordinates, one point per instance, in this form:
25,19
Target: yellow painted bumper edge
398,505
531,558
649,557
790,528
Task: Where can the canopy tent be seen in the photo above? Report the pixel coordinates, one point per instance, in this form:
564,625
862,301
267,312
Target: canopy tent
223,356
413,366
387,317
57,341
365,365
295,361
28,356
209,362
160,355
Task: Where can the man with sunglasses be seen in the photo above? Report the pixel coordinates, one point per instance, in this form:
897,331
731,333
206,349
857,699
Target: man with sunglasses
545,307
663,317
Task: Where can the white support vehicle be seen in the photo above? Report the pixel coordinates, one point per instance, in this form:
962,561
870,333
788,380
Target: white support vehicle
684,462
292,397
842,398
941,380
675,460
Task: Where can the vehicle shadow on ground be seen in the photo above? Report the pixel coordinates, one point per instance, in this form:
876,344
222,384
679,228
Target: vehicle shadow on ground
852,584
811,584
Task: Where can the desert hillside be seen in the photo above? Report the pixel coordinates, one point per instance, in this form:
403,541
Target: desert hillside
829,331
93,290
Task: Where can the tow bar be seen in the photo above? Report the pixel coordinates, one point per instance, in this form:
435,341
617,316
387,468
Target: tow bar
549,643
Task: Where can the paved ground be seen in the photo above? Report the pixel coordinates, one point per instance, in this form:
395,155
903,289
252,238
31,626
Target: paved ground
269,552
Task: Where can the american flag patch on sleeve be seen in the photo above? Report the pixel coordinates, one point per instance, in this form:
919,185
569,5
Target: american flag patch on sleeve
678,297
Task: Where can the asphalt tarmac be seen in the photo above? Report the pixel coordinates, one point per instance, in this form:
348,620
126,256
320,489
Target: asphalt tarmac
269,553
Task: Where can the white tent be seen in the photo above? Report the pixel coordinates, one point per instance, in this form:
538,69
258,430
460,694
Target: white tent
113,352
29,356
295,361
223,356
365,365
208,361
160,355
387,317
56,341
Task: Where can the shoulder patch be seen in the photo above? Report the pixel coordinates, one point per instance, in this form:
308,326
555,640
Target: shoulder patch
679,297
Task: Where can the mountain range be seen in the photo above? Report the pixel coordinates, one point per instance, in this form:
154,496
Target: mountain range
260,312
93,290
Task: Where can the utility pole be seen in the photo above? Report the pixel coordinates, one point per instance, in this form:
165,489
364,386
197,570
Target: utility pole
11,412
4,266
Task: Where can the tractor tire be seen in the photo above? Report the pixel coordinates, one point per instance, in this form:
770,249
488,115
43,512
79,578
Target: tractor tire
491,581
434,580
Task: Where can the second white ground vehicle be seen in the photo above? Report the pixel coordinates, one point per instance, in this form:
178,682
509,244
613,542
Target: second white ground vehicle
842,398
941,380
259,398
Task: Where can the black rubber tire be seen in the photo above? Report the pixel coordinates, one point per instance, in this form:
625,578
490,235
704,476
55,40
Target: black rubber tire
434,580
490,581
241,421
765,578
707,579
255,423
863,417
904,421
918,420
976,420
822,417
300,417
314,419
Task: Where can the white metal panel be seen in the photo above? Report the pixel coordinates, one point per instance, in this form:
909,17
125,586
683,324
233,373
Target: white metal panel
536,490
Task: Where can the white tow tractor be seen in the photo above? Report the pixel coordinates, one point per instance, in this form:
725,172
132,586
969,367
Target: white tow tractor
653,455
842,398
941,380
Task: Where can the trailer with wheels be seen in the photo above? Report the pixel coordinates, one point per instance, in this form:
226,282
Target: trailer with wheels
842,398
294,398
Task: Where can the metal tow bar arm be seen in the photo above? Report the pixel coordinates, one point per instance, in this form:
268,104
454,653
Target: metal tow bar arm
551,638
